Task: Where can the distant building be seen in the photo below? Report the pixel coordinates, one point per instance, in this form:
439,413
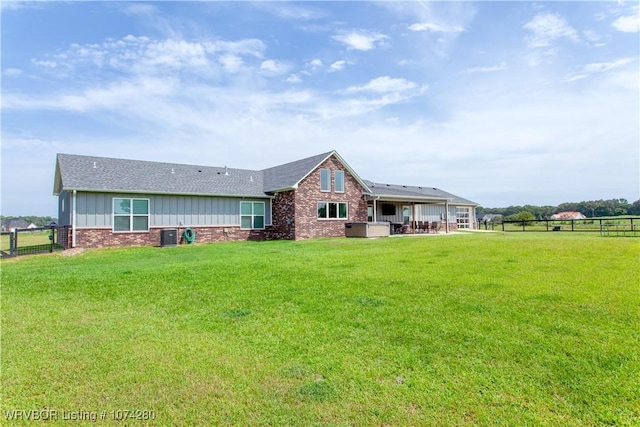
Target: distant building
16,223
488,218
568,216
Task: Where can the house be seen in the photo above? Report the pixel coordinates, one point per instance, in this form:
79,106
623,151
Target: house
117,202
16,223
568,216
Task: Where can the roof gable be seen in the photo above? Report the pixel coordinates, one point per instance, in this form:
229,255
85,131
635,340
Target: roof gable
289,175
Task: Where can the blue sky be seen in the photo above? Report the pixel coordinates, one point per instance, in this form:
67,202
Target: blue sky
503,103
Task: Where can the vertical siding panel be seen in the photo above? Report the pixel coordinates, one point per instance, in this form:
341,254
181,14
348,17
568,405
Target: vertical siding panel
166,211
100,211
81,209
175,209
202,211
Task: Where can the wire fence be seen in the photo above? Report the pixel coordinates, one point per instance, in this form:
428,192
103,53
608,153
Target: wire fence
619,227
30,241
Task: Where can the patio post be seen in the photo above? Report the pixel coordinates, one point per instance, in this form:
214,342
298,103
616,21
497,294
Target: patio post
446,216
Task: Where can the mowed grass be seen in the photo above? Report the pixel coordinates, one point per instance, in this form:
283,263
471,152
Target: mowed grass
475,329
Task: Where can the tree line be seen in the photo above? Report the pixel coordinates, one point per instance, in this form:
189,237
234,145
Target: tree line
589,208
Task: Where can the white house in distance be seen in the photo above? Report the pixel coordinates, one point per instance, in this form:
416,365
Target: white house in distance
565,216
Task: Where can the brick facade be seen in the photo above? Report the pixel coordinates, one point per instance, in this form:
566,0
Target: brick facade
308,194
283,216
104,237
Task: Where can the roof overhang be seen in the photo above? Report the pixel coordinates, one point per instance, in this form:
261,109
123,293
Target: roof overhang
394,198
159,193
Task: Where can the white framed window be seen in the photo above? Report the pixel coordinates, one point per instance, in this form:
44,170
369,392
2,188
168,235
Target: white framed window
130,214
333,210
252,215
338,181
325,180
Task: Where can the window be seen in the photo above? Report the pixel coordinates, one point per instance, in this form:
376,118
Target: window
406,214
325,180
388,209
332,210
338,177
130,214
252,215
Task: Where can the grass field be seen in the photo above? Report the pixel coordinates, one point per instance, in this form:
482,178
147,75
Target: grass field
473,329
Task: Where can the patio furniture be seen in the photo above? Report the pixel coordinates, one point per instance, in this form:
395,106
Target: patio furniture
435,226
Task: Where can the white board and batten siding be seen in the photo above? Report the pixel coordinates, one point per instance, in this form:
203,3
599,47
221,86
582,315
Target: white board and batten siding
95,210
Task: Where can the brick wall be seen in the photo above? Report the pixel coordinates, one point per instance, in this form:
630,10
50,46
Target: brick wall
308,195
100,237
284,208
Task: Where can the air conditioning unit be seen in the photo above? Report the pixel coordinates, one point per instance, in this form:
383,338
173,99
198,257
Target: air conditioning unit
168,237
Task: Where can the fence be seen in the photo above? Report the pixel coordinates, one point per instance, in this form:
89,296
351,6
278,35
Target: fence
606,226
33,241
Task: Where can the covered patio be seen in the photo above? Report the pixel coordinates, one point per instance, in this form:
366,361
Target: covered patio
414,210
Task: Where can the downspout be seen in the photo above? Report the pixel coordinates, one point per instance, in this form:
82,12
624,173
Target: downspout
73,219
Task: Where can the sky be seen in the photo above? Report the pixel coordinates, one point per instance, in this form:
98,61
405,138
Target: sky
503,103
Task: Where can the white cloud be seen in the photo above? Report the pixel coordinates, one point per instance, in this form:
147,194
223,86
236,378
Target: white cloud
628,24
45,64
12,72
337,66
385,84
274,67
15,5
598,67
145,56
503,66
546,28
361,40
314,64
436,28
231,63
290,11
293,78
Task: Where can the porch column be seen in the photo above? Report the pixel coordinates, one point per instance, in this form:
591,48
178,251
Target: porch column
375,210
446,215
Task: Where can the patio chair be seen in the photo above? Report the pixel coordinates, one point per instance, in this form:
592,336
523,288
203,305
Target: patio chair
435,226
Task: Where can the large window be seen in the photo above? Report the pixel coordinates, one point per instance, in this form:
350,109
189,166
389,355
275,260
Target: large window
252,215
325,180
130,214
338,177
333,210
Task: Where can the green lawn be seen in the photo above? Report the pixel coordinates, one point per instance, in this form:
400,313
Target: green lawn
473,329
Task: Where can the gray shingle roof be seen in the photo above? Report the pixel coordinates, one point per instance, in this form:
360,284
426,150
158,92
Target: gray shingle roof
408,191
90,173
288,175
106,174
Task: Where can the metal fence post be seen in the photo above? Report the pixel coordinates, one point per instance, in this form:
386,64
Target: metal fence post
13,242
